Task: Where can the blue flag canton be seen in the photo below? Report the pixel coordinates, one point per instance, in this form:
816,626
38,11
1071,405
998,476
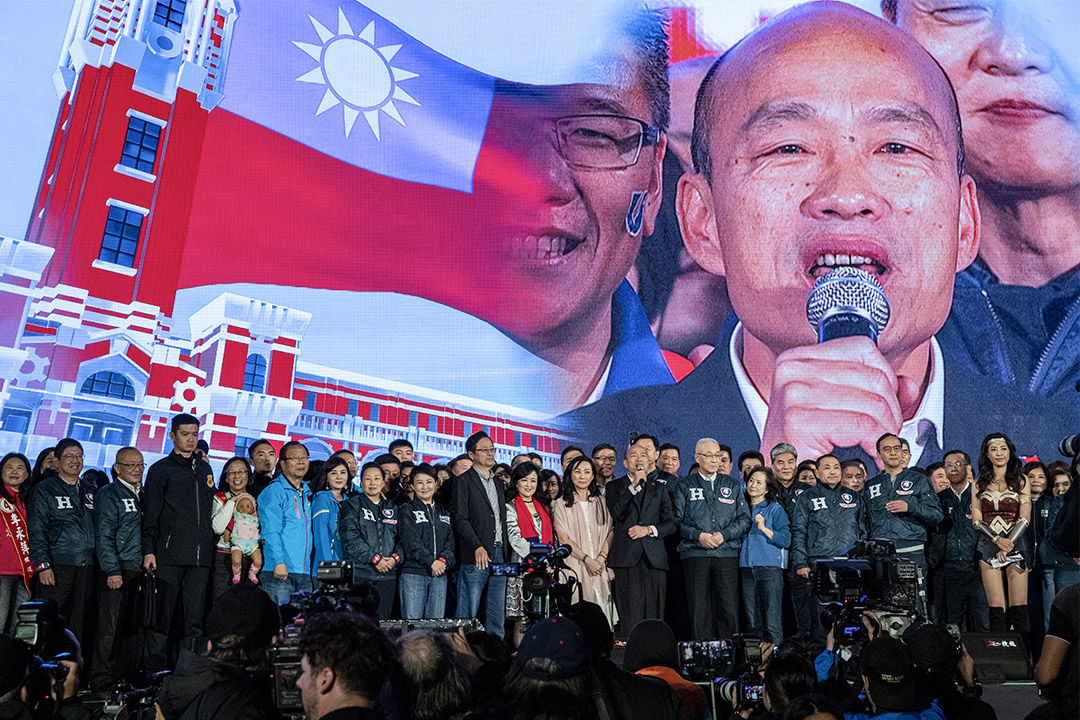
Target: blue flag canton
342,80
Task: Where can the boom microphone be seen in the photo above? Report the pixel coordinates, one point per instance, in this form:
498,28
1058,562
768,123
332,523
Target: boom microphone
847,302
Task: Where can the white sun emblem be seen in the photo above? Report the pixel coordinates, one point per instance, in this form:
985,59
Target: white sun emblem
356,73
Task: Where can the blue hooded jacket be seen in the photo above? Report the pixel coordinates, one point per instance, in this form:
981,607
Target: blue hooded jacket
285,525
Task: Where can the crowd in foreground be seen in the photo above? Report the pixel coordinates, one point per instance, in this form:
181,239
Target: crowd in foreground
747,546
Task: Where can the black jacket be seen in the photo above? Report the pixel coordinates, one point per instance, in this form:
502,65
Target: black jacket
202,688
473,517
118,523
906,529
369,532
426,536
699,508
961,537
650,506
61,523
178,500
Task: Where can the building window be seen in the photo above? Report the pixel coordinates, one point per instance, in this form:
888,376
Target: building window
109,384
375,413
121,238
354,407
15,420
255,374
170,13
414,418
309,400
433,423
141,145
241,445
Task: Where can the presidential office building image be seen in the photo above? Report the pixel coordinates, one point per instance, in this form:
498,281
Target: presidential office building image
88,346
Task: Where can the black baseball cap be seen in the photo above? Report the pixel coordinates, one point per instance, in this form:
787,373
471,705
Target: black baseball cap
890,674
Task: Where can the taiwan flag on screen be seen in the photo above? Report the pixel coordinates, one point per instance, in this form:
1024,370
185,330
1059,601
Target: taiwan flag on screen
343,148
342,80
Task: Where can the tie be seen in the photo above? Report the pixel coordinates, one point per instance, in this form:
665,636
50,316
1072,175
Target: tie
857,453
927,439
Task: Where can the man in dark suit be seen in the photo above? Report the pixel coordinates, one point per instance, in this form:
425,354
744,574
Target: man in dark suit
479,519
640,505
863,189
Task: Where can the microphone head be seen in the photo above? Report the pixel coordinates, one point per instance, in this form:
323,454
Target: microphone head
848,289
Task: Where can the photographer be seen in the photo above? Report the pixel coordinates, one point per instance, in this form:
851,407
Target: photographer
939,657
344,658
228,682
889,679
786,677
15,663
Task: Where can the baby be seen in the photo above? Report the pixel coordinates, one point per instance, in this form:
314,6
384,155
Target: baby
245,537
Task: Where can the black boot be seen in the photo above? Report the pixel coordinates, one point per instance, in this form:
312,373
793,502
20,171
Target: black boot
1019,619
998,623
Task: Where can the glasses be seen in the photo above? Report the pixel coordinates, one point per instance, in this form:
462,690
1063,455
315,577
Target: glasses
603,141
69,456
604,458
710,456
236,473
957,464
486,449
890,448
132,465
299,457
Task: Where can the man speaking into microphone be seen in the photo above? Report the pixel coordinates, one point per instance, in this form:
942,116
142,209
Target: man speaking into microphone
826,139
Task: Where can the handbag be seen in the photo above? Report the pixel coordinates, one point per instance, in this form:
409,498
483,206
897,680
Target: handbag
148,599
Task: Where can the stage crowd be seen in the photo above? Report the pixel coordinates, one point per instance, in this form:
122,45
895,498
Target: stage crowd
678,544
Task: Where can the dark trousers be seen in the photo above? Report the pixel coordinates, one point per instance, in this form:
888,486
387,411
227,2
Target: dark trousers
184,586
71,593
386,590
935,594
116,649
965,600
712,594
221,574
804,603
640,592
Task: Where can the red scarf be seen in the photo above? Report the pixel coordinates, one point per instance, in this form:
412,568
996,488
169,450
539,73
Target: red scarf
15,520
525,520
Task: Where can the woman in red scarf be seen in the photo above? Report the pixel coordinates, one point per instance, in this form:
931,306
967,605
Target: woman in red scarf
15,567
527,522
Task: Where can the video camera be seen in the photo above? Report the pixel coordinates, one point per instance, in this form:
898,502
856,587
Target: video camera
729,666
542,594
871,578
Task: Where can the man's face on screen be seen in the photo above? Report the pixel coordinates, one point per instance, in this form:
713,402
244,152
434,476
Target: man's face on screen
1015,68
832,144
559,231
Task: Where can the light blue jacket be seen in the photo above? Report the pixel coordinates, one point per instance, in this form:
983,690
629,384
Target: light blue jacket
285,523
324,527
758,549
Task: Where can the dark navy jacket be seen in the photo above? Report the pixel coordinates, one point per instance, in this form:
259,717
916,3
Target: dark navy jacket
700,509
118,522
369,532
908,528
826,523
976,328
61,523
974,405
426,536
961,537
178,501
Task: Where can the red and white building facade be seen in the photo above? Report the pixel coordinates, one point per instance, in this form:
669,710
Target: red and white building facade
88,348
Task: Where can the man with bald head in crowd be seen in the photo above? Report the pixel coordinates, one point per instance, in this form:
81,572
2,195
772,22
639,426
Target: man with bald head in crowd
826,138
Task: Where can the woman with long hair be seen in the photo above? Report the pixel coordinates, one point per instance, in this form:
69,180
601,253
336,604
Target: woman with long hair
1002,513
528,521
235,479
583,522
328,490
15,566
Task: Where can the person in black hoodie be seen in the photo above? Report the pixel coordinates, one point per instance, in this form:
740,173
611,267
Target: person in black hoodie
228,683
178,536
427,538
263,459
938,659
61,530
367,526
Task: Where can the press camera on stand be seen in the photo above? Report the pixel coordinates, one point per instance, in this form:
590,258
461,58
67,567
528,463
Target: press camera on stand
871,586
543,595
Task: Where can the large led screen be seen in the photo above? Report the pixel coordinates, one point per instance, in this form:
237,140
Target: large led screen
346,223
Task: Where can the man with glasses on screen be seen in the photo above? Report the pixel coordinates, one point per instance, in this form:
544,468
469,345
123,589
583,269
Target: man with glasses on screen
802,166
583,187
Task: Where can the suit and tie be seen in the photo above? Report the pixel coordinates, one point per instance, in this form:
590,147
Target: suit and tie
640,565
